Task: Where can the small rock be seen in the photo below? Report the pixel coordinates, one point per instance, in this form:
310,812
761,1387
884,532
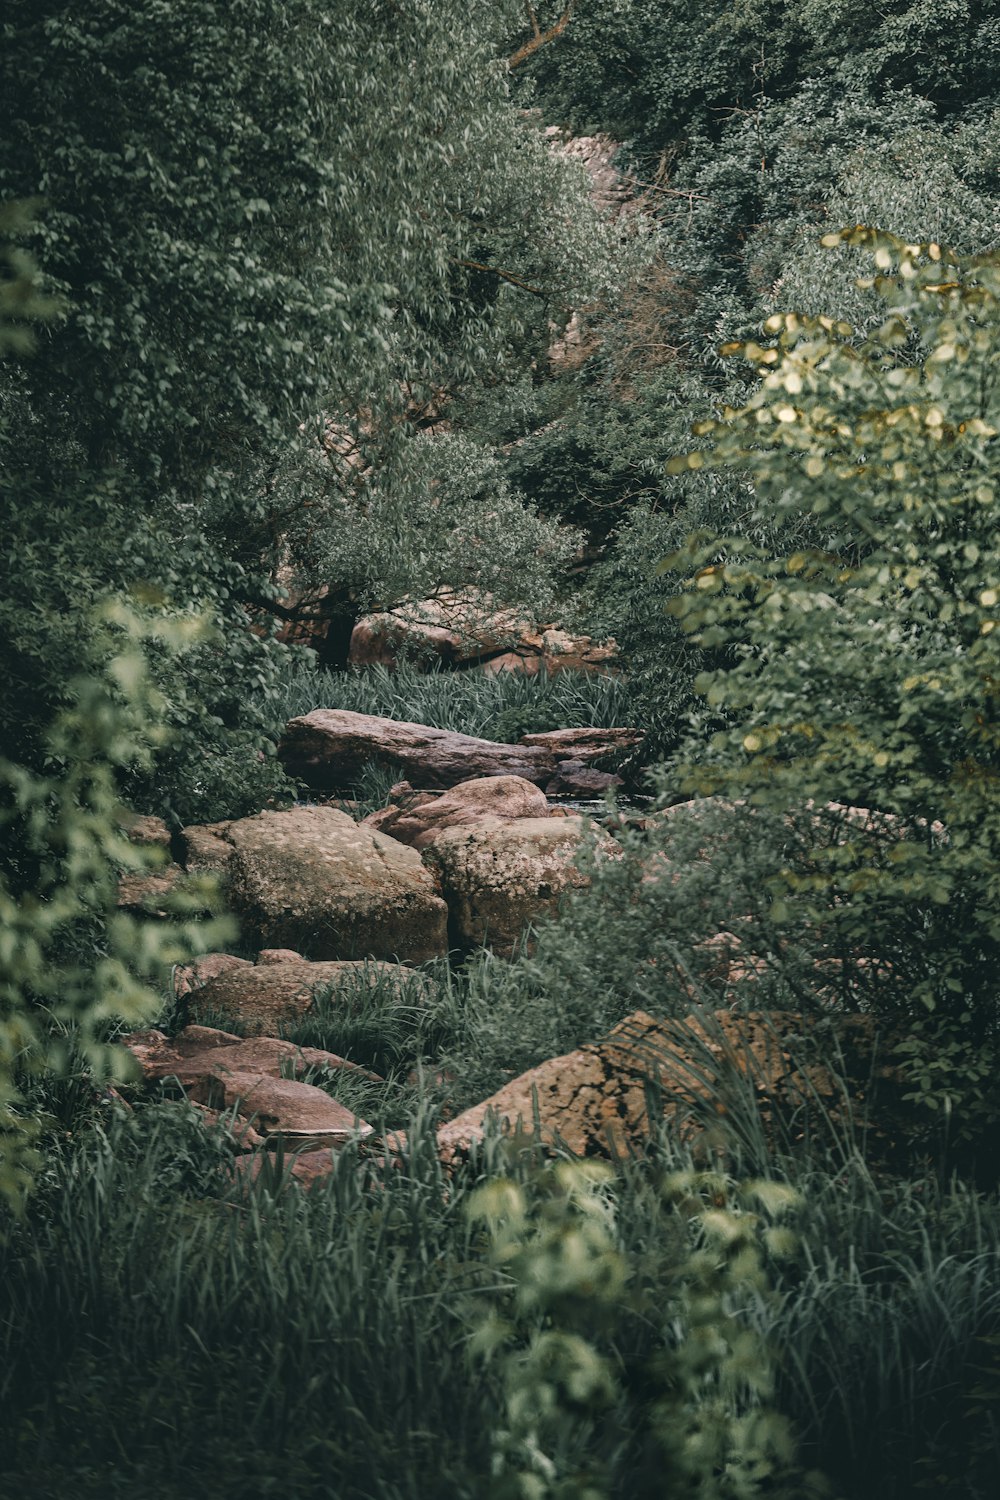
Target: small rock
299,1113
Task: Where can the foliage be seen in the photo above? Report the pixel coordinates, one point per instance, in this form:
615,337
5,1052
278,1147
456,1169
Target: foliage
557,1244
867,664
145,1292
653,73
281,237
72,962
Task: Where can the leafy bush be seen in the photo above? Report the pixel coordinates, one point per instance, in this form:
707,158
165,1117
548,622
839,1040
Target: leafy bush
866,670
564,1379
72,961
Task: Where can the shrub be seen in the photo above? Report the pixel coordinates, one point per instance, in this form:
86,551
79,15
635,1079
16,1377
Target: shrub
866,666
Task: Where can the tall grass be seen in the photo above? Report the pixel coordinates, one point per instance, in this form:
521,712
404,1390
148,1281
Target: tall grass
499,708
167,1330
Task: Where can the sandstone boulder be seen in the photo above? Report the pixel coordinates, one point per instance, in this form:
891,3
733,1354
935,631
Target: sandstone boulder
467,628
595,1100
498,877
149,893
311,877
207,851
419,819
264,997
149,831
552,650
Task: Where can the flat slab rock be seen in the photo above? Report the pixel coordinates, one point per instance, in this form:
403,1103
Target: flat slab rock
329,748
594,1100
299,1113
264,996
313,878
199,1052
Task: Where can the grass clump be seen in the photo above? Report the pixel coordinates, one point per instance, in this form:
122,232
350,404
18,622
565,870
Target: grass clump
499,707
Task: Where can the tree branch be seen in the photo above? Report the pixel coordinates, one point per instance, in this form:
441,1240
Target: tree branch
478,265
539,37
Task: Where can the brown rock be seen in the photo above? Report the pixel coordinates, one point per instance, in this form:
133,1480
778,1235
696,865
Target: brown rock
311,1168
329,748
583,744
461,627
206,848
594,1100
279,956
499,877
149,894
312,877
265,996
200,1052
552,650
421,819
574,778
149,831
299,1113
192,976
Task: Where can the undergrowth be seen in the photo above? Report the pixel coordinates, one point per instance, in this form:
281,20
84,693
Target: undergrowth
170,1328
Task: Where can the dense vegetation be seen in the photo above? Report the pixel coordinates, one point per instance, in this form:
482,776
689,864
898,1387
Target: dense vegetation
303,313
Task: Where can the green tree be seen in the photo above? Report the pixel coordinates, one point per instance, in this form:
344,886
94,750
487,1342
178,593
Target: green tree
864,665
260,216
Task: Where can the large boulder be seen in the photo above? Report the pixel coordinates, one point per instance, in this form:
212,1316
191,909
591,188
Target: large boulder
264,997
417,819
552,650
498,877
330,747
595,1100
312,878
199,971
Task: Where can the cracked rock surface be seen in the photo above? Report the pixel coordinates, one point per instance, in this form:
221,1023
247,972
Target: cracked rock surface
594,1100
